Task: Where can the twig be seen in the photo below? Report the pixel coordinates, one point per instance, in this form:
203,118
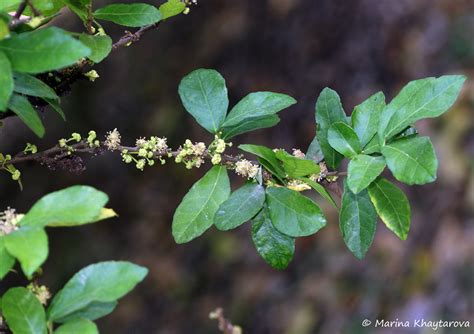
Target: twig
223,324
129,37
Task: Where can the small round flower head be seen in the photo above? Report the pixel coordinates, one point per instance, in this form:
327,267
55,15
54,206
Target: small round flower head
140,142
246,169
199,148
161,144
220,146
16,175
216,159
8,221
76,136
141,164
41,292
297,153
112,140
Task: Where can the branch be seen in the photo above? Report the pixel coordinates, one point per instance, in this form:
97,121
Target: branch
62,80
223,324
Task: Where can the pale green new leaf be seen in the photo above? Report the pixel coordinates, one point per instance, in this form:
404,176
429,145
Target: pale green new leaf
82,326
43,50
29,85
250,124
6,260
240,207
23,312
357,221
412,160
30,246
366,116
328,111
76,205
343,139
363,170
204,95
195,213
276,248
79,7
391,205
129,15
297,167
257,105
424,98
6,81
292,213
100,46
100,282
171,8
20,105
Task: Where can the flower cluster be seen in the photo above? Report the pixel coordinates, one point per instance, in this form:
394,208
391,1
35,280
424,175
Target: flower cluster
146,151
216,148
9,221
40,291
15,173
192,155
112,140
246,169
298,153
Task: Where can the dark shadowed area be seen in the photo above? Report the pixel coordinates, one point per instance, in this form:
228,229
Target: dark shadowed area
296,47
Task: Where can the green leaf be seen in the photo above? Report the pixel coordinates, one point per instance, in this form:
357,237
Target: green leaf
366,116
250,124
29,85
204,95
266,155
6,260
373,146
94,310
297,167
45,7
328,111
314,151
101,282
292,213
391,205
257,105
100,46
83,326
43,50
4,31
343,139
276,248
30,246
357,221
241,206
171,8
129,15
412,160
56,107
79,7
424,98
20,105
320,189
9,5
195,213
23,312
76,205
363,170
6,81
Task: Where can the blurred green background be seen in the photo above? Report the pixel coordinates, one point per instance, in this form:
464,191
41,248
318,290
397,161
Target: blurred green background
296,47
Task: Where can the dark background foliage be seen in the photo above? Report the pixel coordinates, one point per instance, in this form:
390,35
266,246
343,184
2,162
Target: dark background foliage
296,47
